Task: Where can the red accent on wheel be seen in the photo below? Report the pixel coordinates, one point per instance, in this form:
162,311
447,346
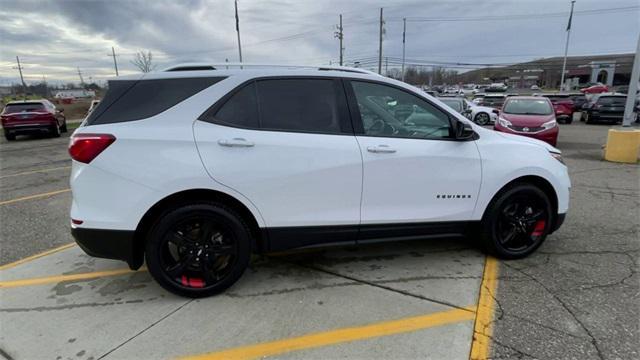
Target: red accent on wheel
196,283
539,229
184,280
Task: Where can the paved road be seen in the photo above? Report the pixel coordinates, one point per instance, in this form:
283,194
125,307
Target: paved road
577,297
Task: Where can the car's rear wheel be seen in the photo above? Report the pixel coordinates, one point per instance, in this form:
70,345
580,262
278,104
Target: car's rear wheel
64,127
517,221
9,136
482,118
55,131
198,250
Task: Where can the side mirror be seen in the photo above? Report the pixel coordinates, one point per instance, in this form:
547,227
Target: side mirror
60,110
464,131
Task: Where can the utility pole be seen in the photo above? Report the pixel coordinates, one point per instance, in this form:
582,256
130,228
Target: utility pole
238,31
404,37
380,45
386,66
115,63
80,75
566,46
46,88
633,88
340,35
24,86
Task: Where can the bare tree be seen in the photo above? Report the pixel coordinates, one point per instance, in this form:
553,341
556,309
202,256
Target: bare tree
143,61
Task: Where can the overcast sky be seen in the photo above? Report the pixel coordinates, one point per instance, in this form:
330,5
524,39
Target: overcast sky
54,38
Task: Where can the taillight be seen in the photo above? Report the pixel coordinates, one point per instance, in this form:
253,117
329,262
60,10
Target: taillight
85,147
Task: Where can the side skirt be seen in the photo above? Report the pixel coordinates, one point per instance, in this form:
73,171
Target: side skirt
285,238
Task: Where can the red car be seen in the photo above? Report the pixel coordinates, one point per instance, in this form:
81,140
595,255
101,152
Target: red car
530,116
595,89
562,106
32,116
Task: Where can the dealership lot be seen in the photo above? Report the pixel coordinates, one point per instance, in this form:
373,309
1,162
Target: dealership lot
575,298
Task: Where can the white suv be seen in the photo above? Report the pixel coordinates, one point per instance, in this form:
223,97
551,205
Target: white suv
194,170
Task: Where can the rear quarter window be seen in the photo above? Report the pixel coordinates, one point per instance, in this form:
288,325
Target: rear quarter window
131,100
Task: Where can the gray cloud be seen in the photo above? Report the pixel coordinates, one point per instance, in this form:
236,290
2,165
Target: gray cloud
53,38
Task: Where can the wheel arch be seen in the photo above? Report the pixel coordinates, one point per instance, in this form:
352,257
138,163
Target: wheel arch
189,196
538,181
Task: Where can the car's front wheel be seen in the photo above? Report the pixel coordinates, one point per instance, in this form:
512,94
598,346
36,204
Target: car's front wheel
198,250
482,118
517,221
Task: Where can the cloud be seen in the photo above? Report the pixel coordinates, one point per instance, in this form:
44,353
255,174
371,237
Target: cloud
54,38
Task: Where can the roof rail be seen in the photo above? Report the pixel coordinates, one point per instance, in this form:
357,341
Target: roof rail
220,66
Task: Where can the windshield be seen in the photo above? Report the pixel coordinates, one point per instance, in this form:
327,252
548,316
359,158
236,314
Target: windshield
453,103
612,100
16,108
527,107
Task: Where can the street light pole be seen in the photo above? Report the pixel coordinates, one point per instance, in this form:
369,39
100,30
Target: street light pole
566,46
633,88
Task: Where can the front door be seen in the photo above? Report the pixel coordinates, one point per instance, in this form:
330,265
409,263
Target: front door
414,171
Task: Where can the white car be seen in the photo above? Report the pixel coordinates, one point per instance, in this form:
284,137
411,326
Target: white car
481,115
193,171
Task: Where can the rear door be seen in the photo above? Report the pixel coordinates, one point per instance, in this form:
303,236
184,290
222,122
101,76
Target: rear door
287,144
414,172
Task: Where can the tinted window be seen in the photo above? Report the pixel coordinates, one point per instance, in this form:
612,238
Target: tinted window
388,111
241,109
308,105
527,107
612,100
134,100
453,103
16,108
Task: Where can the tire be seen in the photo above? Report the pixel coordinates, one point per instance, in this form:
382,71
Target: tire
64,127
55,131
186,261
9,136
482,118
516,221
588,119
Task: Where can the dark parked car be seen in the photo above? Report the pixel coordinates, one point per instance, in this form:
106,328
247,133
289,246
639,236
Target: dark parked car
493,100
32,116
579,100
605,108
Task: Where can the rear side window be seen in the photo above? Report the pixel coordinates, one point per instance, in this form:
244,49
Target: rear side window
612,100
296,105
139,99
241,109
308,105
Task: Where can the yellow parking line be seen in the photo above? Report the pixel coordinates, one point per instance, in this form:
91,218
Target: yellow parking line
36,196
343,335
61,278
483,328
35,171
36,256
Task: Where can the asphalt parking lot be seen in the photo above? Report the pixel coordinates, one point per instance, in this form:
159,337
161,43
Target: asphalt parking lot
576,298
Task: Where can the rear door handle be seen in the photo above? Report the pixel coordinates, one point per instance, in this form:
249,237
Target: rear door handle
235,142
381,149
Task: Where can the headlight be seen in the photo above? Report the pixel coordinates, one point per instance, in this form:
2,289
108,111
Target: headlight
550,124
504,122
557,156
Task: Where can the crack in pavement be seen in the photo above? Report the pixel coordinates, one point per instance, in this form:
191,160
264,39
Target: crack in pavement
594,341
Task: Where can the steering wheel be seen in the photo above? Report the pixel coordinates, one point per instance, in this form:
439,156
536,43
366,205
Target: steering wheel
380,127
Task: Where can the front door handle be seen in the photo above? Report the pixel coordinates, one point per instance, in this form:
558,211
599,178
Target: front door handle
381,149
235,142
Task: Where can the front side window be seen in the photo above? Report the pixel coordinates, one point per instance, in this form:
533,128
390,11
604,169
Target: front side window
388,111
305,105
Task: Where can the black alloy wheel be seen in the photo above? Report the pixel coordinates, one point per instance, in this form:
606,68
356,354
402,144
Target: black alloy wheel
518,222
198,250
